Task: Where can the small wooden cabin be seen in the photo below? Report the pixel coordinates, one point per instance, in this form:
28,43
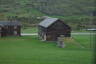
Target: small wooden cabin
10,28
51,28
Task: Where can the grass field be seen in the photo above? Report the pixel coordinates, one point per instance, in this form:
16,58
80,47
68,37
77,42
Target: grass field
30,50
30,30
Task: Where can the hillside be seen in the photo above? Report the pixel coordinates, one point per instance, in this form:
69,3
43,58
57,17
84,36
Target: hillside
57,7
78,11
65,7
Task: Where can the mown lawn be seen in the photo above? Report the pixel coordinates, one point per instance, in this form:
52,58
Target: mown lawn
30,50
30,30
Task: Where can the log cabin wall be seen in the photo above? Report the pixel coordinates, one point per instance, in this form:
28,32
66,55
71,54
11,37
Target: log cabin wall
18,30
10,29
0,30
41,32
53,31
56,29
3,32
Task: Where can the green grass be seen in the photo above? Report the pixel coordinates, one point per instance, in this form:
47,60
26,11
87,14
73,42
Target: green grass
80,31
30,50
84,40
30,30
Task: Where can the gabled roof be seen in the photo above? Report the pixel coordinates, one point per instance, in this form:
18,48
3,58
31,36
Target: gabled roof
47,22
9,23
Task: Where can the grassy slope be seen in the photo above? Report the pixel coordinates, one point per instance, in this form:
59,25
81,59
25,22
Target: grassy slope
30,30
30,50
83,40
72,12
58,8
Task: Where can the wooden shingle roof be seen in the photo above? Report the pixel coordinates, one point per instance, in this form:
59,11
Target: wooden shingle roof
3,23
47,22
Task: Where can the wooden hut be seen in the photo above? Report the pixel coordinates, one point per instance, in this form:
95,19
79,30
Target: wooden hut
10,28
51,28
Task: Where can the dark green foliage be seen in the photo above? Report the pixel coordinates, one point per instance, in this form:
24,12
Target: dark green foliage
27,11
57,7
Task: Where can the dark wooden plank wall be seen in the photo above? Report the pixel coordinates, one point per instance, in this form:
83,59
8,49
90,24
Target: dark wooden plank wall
55,30
10,31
